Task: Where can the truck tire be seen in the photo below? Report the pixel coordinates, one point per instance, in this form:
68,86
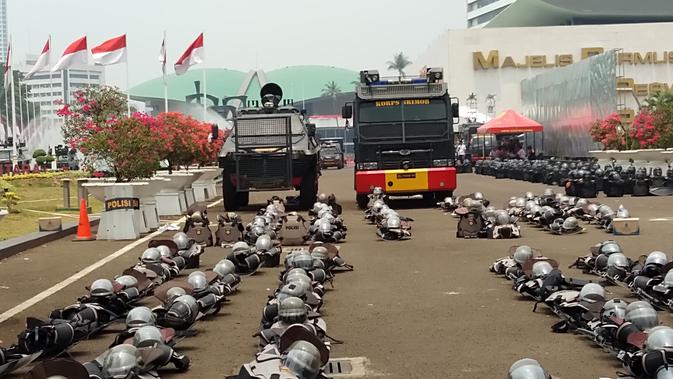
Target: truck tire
362,200
243,198
230,195
440,195
308,190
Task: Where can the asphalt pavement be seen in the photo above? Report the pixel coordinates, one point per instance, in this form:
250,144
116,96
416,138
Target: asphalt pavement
423,308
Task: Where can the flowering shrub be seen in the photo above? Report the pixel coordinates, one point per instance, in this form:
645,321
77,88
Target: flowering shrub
186,140
643,131
609,132
131,147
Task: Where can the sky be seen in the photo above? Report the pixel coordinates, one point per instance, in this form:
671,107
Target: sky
241,35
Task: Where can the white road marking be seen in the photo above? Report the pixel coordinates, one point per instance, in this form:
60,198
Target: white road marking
84,272
661,219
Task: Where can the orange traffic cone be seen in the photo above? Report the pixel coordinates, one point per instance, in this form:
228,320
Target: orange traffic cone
84,228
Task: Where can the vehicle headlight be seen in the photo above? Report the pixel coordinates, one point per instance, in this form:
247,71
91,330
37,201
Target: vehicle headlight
440,162
368,166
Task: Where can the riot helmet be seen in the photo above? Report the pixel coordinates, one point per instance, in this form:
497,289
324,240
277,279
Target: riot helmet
623,212
121,361
174,293
570,224
613,308
263,243
224,268
127,281
541,269
592,292
320,252
147,336
303,359
660,338
101,287
618,260
610,247
527,369
292,310
240,247
165,251
198,282
656,258
393,222
181,240
151,256
522,254
139,317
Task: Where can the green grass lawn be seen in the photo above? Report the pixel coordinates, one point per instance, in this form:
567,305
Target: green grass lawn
40,198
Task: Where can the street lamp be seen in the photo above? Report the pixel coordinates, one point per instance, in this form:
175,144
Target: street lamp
471,102
490,104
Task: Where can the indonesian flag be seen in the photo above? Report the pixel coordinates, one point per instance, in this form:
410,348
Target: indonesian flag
193,55
112,51
8,67
74,55
162,58
42,61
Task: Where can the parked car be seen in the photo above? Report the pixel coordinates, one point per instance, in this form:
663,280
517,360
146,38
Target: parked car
331,156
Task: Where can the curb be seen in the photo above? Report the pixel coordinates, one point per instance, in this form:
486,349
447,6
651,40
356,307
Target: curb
28,241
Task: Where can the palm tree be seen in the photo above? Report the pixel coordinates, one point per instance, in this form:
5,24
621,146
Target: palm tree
399,63
331,89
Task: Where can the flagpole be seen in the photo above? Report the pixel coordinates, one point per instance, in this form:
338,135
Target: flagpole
128,90
205,96
51,91
164,76
21,125
6,115
14,150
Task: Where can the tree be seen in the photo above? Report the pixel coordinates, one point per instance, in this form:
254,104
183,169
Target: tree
330,89
96,125
399,63
20,102
661,108
185,140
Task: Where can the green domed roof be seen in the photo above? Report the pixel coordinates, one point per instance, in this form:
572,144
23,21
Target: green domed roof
298,82
220,82
307,82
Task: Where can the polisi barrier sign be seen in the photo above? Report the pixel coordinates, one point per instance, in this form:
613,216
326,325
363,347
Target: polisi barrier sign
122,203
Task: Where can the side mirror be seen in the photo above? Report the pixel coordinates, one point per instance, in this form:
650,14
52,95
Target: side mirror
347,111
310,130
455,110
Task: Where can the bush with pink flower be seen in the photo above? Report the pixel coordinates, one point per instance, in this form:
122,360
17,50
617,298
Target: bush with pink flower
609,132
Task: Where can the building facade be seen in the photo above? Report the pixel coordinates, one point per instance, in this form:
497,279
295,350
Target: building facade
45,89
481,12
494,61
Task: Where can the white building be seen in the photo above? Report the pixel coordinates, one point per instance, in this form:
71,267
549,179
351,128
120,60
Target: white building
495,60
480,12
45,89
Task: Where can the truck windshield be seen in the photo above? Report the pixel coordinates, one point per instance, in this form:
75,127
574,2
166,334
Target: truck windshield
386,111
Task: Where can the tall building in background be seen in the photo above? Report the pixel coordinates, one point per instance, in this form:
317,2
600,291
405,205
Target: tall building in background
4,31
480,12
44,92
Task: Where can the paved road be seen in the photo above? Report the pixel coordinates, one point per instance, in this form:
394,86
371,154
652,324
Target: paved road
423,308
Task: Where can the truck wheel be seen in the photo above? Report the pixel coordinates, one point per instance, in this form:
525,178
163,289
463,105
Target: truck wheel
340,166
308,191
230,195
362,200
440,195
243,198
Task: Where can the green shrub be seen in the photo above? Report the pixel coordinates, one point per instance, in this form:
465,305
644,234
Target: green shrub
39,153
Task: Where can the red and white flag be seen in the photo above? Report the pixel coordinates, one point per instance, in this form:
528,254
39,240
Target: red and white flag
112,51
162,58
74,55
42,61
193,55
8,67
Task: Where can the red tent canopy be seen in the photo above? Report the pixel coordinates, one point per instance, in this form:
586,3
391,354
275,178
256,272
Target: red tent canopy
508,122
